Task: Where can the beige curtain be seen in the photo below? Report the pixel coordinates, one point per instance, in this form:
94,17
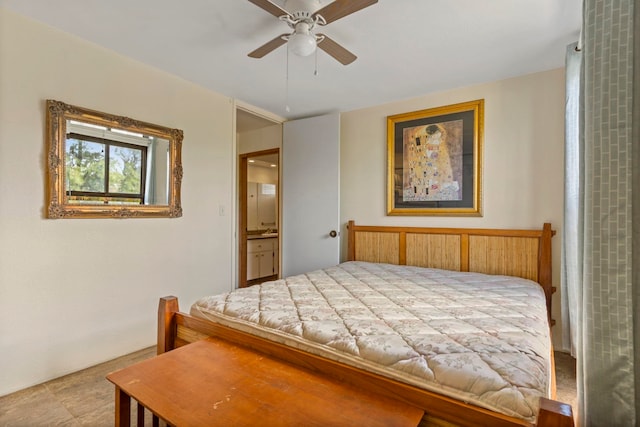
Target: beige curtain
605,315
573,227
635,154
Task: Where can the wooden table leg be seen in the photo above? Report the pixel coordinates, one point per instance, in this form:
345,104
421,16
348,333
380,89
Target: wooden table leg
123,408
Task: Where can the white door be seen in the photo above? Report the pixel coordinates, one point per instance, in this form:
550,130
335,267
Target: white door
310,194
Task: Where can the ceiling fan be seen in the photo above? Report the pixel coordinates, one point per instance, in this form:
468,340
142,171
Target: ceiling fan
304,17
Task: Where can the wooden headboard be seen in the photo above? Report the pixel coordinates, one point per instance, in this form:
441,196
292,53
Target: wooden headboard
521,253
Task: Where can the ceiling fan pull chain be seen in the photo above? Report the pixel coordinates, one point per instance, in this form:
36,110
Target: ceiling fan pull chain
315,72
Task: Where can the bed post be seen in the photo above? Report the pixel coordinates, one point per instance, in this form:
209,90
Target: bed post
351,241
545,277
554,414
167,308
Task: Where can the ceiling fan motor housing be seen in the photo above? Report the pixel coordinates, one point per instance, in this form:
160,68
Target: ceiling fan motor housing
302,9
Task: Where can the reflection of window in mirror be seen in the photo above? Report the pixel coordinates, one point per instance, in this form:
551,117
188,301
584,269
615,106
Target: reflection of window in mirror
113,166
268,189
104,171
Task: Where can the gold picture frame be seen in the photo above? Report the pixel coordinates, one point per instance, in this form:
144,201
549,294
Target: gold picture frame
434,161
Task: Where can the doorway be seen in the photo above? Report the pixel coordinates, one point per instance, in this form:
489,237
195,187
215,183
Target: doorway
258,198
259,218
308,216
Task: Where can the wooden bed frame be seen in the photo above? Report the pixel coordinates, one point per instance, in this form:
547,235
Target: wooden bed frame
522,253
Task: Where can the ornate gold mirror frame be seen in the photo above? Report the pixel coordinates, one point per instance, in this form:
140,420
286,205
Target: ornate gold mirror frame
67,122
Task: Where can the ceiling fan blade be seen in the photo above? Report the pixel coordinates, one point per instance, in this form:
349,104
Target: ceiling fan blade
268,46
341,8
270,7
341,54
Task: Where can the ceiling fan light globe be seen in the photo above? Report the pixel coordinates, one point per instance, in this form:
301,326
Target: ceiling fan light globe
302,44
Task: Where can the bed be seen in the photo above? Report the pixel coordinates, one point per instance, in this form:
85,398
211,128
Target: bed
479,281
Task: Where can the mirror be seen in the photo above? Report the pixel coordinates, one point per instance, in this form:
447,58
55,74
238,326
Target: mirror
262,197
261,206
106,166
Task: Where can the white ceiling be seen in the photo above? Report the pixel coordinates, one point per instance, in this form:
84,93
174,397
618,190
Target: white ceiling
405,48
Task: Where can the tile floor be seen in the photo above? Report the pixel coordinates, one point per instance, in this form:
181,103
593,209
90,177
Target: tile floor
86,398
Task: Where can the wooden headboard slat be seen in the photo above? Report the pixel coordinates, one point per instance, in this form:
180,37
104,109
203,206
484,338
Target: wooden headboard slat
433,250
464,252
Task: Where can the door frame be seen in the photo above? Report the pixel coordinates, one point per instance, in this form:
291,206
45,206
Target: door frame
242,211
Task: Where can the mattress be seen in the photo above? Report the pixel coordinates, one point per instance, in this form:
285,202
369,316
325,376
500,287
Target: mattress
478,338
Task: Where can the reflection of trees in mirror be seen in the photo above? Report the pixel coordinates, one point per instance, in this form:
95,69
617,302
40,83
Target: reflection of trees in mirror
85,166
125,170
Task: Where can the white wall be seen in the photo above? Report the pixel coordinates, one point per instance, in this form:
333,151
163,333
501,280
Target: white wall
264,138
74,293
523,159
262,174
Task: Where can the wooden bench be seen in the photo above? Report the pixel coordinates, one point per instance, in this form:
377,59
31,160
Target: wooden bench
214,382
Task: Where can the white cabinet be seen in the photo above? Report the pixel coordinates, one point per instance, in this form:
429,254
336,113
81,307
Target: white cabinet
261,258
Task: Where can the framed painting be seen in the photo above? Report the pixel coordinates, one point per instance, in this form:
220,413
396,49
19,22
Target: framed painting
435,161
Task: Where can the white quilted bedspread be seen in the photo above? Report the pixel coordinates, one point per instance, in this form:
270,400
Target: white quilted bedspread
478,338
